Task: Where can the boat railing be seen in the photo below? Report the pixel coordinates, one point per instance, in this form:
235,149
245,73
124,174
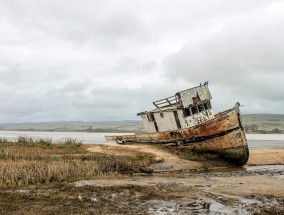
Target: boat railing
170,101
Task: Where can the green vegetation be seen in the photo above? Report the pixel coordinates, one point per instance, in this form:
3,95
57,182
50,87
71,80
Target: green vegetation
3,140
29,141
69,142
38,162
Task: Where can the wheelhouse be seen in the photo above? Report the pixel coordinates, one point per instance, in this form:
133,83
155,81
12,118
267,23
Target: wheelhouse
185,109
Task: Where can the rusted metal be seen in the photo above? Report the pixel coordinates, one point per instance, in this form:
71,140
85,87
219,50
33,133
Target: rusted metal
222,133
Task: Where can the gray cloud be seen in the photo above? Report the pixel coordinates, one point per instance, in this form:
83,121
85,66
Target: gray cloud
103,60
243,58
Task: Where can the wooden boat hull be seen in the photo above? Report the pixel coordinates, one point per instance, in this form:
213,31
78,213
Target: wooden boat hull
223,135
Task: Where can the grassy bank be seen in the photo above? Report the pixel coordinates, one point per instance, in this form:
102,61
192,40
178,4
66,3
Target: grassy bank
37,162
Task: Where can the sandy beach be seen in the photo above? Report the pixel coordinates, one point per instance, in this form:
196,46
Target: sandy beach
259,156
266,156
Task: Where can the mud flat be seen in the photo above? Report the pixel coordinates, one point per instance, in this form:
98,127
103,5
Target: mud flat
182,186
173,185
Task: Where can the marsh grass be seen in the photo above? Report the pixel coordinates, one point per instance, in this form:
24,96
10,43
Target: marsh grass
3,140
69,142
29,162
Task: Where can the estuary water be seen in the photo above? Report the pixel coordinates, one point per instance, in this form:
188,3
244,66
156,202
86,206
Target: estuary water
265,140
254,140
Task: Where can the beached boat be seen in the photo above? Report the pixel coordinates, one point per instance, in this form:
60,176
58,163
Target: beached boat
187,119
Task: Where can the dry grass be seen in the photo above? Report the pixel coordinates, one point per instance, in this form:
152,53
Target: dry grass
26,163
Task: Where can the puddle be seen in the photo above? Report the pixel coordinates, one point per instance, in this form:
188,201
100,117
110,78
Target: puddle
80,197
248,168
94,197
209,206
160,207
276,171
265,167
218,208
230,169
201,206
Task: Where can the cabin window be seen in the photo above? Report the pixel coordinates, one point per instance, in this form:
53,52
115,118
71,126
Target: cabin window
150,117
194,109
186,112
201,107
206,106
209,104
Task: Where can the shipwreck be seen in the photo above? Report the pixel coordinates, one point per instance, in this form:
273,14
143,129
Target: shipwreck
187,119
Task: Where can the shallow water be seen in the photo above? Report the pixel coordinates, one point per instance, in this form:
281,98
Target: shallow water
265,140
209,203
275,171
254,140
85,137
219,203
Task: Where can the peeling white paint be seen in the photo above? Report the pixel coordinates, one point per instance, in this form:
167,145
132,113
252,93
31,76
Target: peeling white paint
148,126
198,118
165,120
188,95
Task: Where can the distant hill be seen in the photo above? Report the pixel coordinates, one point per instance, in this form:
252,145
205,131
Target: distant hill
263,123
253,123
103,126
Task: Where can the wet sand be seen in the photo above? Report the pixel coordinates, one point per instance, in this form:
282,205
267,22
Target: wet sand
256,188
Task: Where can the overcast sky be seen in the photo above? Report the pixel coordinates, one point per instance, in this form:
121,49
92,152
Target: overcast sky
93,60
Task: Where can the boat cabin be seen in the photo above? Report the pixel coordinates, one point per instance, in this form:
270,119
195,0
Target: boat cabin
185,109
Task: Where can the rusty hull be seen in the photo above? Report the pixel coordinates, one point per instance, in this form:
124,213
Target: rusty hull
224,135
